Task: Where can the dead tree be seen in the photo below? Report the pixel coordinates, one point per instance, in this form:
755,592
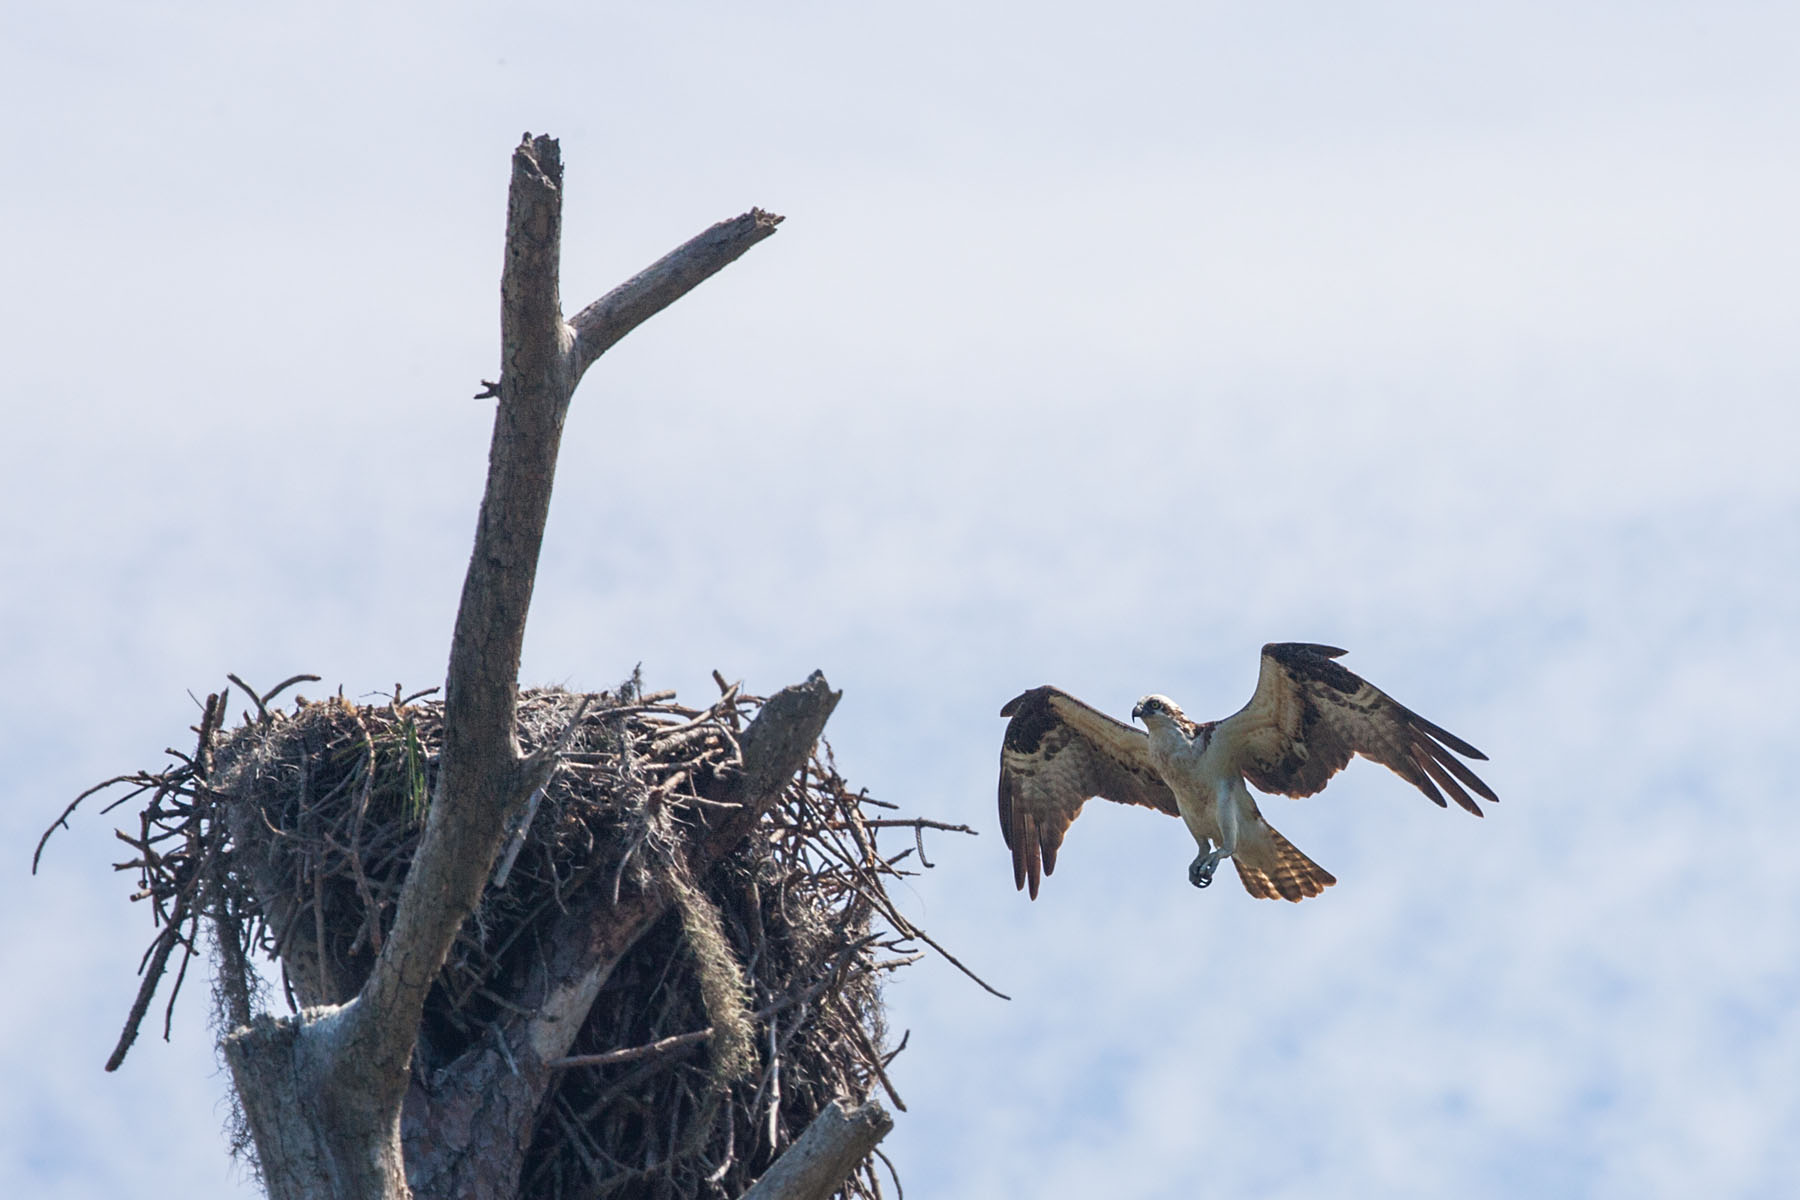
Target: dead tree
337,1099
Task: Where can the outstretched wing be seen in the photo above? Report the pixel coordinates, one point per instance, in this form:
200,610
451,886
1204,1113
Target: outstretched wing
1309,715
1059,752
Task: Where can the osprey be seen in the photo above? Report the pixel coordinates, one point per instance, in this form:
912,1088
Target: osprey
1308,716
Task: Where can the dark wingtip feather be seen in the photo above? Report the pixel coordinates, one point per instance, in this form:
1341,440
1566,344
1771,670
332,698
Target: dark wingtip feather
1020,858
1277,649
1433,759
1006,807
1442,753
1013,837
1450,742
1441,734
1421,777
1470,778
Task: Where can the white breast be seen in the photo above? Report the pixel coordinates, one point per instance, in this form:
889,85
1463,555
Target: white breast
1183,764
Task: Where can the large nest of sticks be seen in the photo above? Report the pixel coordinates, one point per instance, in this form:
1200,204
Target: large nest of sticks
716,1039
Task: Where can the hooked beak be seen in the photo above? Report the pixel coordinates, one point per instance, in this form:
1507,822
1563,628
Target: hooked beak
1137,711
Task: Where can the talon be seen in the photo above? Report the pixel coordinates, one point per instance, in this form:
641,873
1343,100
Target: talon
1200,871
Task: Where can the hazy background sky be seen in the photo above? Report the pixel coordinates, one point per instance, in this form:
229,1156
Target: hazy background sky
1100,346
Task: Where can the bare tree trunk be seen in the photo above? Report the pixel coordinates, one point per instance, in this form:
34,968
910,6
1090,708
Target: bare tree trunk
485,1104
324,1091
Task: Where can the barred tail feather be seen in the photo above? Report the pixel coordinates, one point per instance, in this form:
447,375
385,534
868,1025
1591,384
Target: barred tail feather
1273,868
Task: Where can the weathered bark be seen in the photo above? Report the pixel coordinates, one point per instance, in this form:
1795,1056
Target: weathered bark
485,1104
823,1157
323,1091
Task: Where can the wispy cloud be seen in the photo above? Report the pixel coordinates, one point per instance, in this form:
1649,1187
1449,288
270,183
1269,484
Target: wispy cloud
1095,351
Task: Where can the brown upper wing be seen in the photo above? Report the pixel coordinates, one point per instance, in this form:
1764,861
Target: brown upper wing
1059,752
1309,715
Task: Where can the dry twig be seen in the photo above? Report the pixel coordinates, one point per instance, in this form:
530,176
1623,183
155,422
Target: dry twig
292,835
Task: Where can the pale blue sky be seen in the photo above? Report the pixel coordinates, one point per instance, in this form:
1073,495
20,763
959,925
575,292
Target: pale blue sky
1100,347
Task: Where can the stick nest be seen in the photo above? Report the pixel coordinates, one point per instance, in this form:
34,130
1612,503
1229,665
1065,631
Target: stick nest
715,1040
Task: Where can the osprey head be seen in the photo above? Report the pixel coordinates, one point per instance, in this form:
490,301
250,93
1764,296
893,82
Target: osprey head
1155,705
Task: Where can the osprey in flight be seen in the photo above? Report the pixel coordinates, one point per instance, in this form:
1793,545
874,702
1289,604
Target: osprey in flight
1308,716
